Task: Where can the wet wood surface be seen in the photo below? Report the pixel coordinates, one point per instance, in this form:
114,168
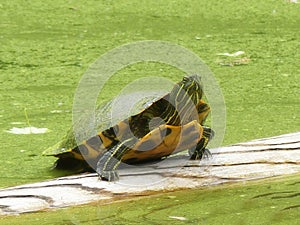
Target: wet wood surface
252,160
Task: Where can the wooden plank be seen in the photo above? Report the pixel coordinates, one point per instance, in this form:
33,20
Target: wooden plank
256,159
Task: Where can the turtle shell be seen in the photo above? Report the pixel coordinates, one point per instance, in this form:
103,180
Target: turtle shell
100,132
88,126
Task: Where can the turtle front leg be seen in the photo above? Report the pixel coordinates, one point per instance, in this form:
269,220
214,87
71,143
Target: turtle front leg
200,151
108,163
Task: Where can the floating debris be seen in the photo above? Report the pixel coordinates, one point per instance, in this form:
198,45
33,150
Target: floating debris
56,111
178,218
28,130
292,1
232,59
235,62
60,111
235,54
17,123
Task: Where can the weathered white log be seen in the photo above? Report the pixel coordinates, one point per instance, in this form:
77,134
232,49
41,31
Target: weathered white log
245,161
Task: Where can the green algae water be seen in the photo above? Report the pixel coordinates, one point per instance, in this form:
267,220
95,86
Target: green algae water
46,47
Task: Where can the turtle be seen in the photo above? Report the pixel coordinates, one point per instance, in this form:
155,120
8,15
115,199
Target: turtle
171,123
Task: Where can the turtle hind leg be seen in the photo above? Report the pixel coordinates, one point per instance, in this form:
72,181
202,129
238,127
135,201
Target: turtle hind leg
108,163
203,154
200,151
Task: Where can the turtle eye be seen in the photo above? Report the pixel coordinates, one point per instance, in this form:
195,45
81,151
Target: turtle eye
185,79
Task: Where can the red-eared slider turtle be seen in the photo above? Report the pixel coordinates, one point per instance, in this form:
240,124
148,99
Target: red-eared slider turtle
176,124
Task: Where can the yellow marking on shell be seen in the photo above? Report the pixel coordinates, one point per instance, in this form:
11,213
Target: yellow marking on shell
175,142
123,129
105,140
93,153
84,157
77,155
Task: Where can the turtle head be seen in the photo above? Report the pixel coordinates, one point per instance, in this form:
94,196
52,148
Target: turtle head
183,99
188,89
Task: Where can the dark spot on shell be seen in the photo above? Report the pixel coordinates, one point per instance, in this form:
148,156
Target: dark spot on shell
109,133
168,131
95,142
165,132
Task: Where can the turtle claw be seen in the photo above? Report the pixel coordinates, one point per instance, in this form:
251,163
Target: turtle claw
200,151
206,154
199,155
108,175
